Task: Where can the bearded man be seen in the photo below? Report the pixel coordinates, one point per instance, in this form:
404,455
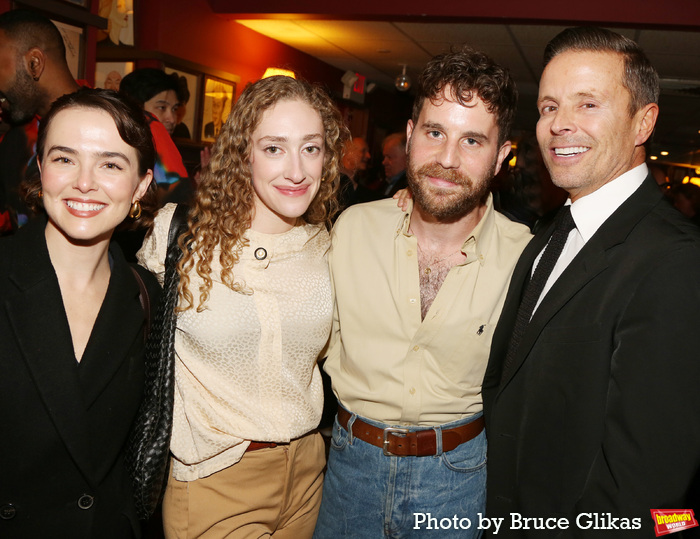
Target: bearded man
418,294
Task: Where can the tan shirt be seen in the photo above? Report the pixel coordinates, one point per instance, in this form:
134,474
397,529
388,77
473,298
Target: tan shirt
246,366
384,362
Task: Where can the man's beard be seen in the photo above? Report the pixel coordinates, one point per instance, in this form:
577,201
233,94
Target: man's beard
443,204
23,98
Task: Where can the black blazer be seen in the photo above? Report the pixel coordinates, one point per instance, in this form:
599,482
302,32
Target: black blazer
64,423
600,411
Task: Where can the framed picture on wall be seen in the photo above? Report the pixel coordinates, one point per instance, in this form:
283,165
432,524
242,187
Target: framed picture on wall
186,113
73,38
216,105
109,75
120,22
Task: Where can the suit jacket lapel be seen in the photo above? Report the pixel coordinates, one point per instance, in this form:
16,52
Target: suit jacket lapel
43,336
520,278
121,309
589,262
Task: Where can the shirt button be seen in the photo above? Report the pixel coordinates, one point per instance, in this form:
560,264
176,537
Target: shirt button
412,300
416,348
8,511
85,501
409,252
412,391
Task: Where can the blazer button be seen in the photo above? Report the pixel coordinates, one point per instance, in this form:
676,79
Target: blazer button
85,501
7,511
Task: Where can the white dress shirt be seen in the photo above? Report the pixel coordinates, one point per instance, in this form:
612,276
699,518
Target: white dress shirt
589,213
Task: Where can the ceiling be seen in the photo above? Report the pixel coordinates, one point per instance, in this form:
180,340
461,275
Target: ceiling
378,49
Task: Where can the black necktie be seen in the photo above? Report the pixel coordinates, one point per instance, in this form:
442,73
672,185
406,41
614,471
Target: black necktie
563,225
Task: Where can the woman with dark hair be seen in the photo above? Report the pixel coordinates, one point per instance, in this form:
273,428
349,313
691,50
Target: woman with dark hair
157,93
254,314
72,325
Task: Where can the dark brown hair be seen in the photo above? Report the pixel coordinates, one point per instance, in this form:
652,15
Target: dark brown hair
640,78
132,126
469,74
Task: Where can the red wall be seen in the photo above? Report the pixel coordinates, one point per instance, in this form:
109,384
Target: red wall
191,31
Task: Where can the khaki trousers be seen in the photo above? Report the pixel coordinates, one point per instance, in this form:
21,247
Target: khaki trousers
273,492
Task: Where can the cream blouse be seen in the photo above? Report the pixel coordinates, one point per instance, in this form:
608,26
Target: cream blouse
246,366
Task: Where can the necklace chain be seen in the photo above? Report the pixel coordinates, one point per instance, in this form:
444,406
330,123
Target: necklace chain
427,269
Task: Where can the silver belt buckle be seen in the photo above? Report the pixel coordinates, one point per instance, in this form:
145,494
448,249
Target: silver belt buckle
392,430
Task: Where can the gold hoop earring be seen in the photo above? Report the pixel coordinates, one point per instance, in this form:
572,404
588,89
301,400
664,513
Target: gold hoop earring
41,194
135,211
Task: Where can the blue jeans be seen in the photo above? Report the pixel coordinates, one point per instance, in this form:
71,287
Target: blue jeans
369,495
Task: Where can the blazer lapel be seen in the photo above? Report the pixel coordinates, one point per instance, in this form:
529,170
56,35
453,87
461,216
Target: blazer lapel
43,336
516,289
589,262
120,309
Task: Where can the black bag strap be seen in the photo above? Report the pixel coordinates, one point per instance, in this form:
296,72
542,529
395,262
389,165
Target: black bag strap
151,444
145,300
166,309
178,226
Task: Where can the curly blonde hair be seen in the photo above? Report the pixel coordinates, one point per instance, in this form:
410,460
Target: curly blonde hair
224,201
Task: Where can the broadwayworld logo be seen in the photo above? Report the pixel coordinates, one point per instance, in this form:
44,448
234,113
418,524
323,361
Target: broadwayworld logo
672,520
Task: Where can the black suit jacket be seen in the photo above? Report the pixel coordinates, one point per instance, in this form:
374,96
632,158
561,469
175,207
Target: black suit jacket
64,424
600,411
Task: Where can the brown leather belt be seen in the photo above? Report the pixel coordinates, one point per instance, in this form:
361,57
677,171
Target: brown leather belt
400,442
254,446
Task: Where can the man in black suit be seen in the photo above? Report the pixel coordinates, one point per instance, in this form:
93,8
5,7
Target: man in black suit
591,398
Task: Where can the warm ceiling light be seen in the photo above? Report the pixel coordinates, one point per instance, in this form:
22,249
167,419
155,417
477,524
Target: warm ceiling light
664,153
653,158
274,71
403,81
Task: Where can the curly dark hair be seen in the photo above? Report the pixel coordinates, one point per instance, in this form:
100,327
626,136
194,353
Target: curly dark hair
469,73
640,78
224,201
133,128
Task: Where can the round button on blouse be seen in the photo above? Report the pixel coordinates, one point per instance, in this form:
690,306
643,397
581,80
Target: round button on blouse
85,501
260,253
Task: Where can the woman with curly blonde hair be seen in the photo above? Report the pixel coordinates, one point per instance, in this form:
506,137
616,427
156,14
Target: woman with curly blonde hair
254,313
